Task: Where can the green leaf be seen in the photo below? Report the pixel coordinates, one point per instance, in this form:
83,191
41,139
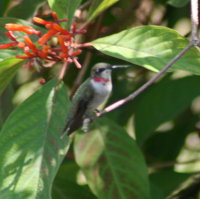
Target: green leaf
65,184
162,102
112,162
8,69
151,47
65,8
170,139
161,181
99,6
31,146
4,4
21,11
178,3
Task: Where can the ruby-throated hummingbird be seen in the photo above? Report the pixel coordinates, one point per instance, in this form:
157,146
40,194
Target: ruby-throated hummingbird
89,96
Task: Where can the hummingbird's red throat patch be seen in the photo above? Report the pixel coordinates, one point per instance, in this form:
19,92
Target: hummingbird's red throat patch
101,79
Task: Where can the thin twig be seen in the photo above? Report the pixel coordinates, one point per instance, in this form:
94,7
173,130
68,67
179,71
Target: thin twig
172,163
195,21
146,85
85,5
195,41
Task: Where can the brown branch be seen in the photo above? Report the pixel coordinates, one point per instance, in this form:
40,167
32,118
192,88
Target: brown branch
190,189
195,21
172,163
195,41
146,85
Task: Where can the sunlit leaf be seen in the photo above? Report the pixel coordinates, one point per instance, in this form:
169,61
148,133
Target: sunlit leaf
65,8
8,69
113,164
4,4
31,146
178,3
99,6
21,11
151,47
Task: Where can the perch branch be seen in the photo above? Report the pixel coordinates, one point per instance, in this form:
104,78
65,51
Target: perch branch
195,21
146,85
195,41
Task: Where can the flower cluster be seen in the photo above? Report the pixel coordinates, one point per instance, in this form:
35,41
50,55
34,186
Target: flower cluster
66,50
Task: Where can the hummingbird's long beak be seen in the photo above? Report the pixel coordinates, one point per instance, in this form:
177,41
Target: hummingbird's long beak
120,66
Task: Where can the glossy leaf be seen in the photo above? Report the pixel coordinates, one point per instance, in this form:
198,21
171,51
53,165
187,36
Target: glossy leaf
4,4
65,8
170,139
113,164
8,69
162,102
162,178
31,146
178,3
21,11
66,186
151,47
99,6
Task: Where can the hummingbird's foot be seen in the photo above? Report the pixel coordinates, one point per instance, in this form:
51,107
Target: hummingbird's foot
97,111
86,123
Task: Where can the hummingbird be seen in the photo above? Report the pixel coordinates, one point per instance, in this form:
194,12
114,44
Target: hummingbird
92,93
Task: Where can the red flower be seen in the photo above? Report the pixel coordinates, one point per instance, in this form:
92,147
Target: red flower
66,50
25,29
13,44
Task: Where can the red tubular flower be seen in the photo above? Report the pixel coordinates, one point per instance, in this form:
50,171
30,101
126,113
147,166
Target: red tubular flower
10,45
27,52
40,21
77,52
62,44
21,44
63,55
42,40
30,44
73,27
55,16
11,36
58,28
25,29
44,52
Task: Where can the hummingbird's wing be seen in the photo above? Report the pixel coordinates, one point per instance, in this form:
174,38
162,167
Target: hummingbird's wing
78,108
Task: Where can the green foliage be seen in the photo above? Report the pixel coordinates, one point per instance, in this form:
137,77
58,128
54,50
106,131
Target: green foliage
21,11
162,103
32,149
4,4
115,159
151,47
160,181
19,35
8,69
133,152
178,3
99,6
65,8
66,184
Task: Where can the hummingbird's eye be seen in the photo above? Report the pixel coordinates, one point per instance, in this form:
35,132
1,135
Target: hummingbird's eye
101,70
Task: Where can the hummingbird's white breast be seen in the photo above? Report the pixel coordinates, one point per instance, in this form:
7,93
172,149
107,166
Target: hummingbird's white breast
102,89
